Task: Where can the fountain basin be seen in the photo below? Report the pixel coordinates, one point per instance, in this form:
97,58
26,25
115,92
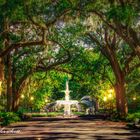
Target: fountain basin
63,102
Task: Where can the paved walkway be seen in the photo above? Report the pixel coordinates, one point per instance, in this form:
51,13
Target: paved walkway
69,130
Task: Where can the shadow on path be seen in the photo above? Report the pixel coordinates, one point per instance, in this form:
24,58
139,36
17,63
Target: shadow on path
71,128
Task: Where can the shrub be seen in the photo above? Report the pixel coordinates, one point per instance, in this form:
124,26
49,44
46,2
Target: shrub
8,117
24,116
133,117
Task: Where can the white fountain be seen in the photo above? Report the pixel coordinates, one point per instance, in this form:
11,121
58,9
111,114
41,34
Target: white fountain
67,102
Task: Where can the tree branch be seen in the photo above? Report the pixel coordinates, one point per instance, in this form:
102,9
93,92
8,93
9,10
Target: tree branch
59,62
127,62
63,70
129,70
20,44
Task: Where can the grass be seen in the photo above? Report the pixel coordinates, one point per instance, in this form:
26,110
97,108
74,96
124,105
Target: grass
78,113
53,114
50,114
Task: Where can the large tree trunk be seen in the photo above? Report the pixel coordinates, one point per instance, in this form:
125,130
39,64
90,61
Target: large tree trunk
16,99
1,69
121,102
15,102
1,74
108,49
14,88
9,83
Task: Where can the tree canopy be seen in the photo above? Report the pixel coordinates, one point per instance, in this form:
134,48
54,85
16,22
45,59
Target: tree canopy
95,43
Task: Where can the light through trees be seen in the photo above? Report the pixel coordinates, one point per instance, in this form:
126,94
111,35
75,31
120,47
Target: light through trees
105,99
134,98
31,98
22,96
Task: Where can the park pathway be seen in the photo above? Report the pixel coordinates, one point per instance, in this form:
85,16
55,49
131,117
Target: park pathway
71,129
